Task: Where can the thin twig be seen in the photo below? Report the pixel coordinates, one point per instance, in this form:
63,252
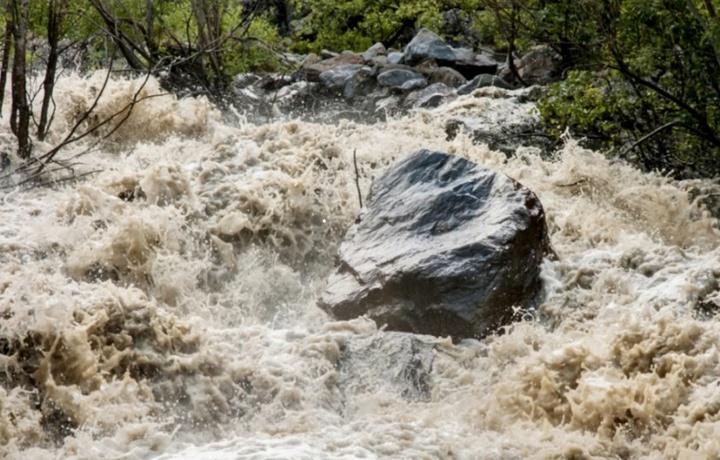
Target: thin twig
648,136
357,178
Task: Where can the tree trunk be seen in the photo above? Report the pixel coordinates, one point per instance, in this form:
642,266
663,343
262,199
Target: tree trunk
56,14
20,115
7,46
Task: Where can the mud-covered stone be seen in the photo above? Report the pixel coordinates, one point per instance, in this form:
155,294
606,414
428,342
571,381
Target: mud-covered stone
445,247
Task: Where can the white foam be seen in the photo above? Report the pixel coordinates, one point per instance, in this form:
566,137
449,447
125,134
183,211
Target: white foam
165,306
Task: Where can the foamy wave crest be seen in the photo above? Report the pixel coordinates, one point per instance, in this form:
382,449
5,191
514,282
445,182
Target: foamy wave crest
166,305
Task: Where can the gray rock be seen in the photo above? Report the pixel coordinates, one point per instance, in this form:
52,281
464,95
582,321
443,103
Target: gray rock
429,97
395,57
379,61
445,247
541,65
464,55
426,68
293,97
396,66
415,83
448,76
393,362
360,84
482,81
312,69
427,45
378,49
335,78
481,64
395,78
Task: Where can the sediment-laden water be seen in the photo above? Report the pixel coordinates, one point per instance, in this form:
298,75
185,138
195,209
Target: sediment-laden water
165,306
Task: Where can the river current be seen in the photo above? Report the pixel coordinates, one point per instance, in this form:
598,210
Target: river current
164,305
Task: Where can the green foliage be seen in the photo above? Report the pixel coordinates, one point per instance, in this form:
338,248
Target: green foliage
588,104
254,53
645,84
357,24
650,90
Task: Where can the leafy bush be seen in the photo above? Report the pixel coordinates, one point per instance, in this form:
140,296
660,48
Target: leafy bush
650,92
358,24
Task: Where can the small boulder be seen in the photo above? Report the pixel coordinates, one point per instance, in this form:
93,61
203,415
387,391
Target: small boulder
335,78
448,76
360,84
395,78
379,61
429,97
541,65
479,65
378,49
412,85
427,45
445,247
312,70
395,57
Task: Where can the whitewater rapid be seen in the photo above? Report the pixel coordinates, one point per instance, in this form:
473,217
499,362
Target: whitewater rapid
164,306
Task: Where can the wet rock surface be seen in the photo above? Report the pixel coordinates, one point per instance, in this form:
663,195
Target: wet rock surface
445,247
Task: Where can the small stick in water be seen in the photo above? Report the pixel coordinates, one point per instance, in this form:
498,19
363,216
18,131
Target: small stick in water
357,178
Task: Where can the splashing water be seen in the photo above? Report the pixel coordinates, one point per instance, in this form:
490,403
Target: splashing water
165,307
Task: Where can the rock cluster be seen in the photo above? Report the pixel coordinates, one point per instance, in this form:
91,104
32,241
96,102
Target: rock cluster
445,247
427,73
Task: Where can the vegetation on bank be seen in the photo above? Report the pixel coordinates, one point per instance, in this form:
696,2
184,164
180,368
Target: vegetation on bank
641,76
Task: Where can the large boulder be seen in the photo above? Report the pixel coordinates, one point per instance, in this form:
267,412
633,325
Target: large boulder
445,247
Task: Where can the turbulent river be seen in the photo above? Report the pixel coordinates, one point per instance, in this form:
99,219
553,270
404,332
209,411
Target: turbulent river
164,305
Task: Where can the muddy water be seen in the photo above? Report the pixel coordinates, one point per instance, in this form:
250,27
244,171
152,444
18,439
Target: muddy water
165,306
